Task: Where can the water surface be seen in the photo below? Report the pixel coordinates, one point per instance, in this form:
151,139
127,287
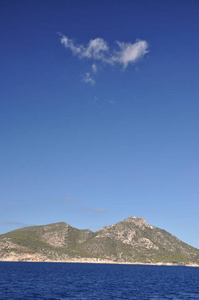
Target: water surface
58,281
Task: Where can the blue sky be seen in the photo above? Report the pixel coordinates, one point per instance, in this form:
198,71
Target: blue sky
99,107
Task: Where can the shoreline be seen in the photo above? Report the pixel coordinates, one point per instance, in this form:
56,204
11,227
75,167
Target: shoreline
97,261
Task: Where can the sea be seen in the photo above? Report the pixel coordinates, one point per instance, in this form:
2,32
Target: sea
58,281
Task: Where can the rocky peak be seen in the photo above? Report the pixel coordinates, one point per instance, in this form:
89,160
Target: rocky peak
131,240
139,222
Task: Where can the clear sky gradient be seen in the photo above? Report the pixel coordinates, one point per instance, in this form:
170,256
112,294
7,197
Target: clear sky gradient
103,125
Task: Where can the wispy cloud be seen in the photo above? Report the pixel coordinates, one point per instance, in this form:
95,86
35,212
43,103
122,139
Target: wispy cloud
94,68
98,209
98,50
95,49
15,223
88,79
69,199
130,53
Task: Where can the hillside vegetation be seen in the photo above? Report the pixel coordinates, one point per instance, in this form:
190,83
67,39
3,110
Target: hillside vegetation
132,240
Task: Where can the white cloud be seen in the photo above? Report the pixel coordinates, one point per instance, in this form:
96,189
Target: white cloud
94,50
130,53
98,49
94,68
68,43
88,79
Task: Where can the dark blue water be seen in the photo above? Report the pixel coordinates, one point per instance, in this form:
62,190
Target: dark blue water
96,281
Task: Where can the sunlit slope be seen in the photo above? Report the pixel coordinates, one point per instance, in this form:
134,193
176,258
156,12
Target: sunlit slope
132,240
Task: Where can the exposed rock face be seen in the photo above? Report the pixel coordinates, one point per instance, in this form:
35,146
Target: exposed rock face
125,231
132,240
56,235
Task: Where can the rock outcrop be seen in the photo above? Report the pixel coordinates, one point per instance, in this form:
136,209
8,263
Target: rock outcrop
130,241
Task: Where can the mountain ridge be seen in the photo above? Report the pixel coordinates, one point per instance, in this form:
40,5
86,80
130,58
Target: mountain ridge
132,240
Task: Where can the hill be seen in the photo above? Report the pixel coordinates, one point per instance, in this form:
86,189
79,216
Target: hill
130,241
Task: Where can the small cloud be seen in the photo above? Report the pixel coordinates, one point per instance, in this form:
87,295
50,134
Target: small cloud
98,209
98,49
95,49
88,79
95,99
69,199
130,53
15,223
94,68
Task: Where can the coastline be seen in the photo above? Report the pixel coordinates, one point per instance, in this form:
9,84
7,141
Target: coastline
95,261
